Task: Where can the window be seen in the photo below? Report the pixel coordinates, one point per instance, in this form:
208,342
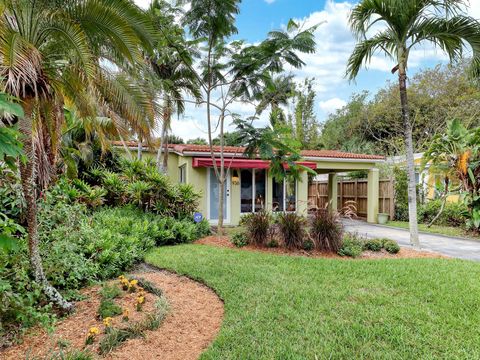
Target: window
284,195
183,174
252,190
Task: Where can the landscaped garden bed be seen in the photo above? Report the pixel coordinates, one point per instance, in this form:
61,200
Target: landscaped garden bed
320,235
404,253
172,317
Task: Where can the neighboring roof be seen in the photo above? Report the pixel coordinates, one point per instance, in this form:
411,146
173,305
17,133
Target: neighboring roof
187,149
339,155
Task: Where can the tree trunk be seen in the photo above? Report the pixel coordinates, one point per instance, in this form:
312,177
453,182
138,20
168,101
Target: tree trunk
412,186
139,148
221,183
162,165
165,155
27,175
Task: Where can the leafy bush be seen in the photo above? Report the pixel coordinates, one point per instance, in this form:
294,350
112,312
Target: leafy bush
373,244
326,231
308,245
110,292
108,308
292,230
140,184
352,246
391,246
454,214
257,227
239,239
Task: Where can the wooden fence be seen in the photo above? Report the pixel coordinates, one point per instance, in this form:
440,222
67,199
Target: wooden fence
356,191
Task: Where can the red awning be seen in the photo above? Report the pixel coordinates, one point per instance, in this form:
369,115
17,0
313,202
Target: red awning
243,163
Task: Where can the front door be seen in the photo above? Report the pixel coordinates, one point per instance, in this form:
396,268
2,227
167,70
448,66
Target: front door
213,197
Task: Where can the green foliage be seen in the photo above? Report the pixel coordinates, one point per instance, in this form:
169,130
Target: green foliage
371,123
115,337
391,246
373,244
352,246
454,213
239,239
10,145
401,194
12,202
110,292
326,231
108,308
292,230
257,227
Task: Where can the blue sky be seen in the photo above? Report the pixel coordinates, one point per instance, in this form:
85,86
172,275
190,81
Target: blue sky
327,65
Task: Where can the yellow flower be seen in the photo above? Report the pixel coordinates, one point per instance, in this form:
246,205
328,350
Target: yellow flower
125,313
140,299
121,277
463,162
133,282
107,322
93,331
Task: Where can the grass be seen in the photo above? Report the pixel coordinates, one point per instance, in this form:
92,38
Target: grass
281,307
436,229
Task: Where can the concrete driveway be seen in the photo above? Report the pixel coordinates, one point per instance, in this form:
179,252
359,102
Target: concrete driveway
450,246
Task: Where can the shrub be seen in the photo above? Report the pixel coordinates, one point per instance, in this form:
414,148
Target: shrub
239,239
373,245
352,246
326,231
391,246
110,292
292,230
257,227
108,308
308,245
454,214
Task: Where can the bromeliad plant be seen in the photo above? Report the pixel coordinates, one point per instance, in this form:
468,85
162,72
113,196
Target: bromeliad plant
456,155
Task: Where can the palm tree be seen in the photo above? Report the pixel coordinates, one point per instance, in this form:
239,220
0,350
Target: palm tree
402,25
52,55
172,62
278,90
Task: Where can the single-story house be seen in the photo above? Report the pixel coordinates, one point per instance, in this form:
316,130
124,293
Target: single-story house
426,177
250,186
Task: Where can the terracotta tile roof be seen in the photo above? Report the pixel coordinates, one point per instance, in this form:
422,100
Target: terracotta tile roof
339,155
190,148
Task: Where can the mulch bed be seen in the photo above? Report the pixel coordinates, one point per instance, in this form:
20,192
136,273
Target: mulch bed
194,318
404,253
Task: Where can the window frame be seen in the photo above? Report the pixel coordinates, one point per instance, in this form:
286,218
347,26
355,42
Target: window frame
284,200
182,176
254,191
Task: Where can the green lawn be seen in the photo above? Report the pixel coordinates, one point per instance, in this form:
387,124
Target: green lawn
280,307
436,229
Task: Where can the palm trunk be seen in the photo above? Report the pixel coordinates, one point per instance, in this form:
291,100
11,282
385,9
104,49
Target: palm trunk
162,165
412,186
27,175
139,148
221,183
165,154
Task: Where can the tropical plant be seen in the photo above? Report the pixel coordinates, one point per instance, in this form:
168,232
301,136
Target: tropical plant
50,55
292,230
403,25
326,230
171,62
456,155
257,227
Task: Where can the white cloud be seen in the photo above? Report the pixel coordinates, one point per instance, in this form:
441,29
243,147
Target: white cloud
329,106
144,4
269,1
